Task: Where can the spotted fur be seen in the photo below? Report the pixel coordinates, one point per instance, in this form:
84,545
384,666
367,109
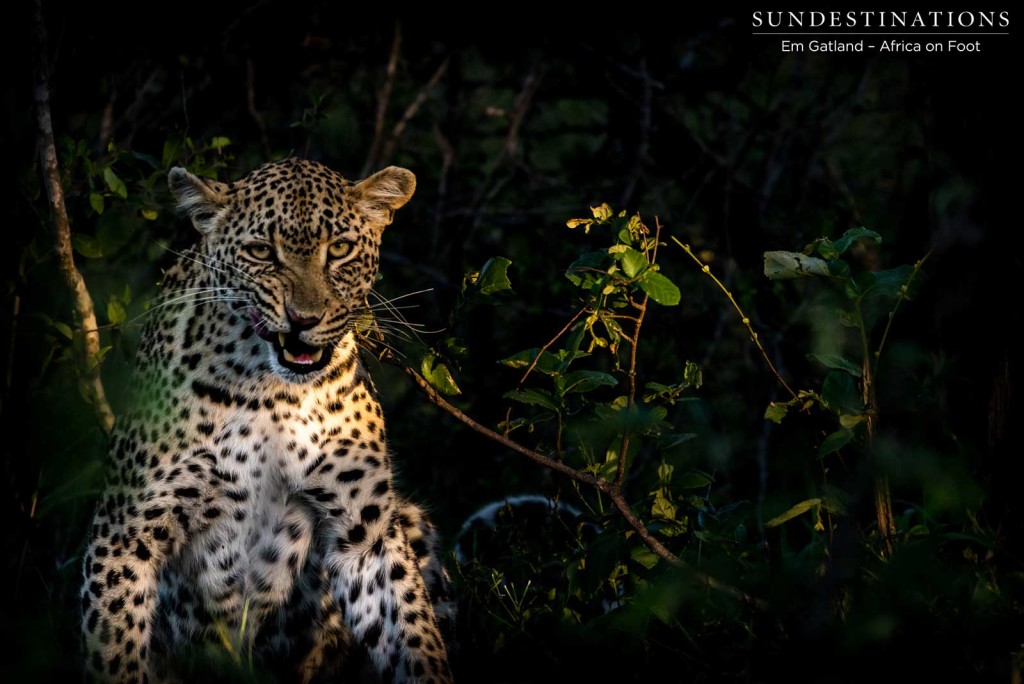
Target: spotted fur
249,497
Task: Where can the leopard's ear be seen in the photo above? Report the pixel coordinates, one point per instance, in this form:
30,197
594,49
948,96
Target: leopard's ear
202,199
384,192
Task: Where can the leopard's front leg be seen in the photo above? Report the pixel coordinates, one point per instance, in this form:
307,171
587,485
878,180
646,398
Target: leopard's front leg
129,542
373,570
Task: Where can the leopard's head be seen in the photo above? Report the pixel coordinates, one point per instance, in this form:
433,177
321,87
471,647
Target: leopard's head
298,246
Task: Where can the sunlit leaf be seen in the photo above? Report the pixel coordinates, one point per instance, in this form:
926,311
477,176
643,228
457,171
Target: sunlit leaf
115,312
793,512
96,202
852,420
493,277
63,328
661,289
115,184
548,363
602,213
644,556
662,507
438,375
776,411
633,262
781,265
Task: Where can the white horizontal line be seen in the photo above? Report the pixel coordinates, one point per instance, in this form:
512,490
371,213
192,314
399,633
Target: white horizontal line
871,33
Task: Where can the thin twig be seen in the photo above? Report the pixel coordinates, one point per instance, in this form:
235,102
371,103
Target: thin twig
85,313
383,99
903,295
543,460
410,112
746,321
250,99
533,364
106,123
447,158
547,345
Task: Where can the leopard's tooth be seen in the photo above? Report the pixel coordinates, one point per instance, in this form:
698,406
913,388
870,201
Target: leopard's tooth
281,338
288,356
316,355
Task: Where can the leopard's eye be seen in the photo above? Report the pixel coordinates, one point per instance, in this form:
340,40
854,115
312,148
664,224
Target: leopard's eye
259,251
338,249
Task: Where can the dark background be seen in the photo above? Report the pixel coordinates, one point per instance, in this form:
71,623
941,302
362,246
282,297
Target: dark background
734,147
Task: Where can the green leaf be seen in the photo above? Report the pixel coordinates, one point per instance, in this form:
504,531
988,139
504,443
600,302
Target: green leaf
693,376
633,262
115,312
776,411
454,348
87,246
663,508
580,269
793,512
576,222
585,381
660,288
839,392
852,420
438,375
881,283
848,318
534,397
781,265
548,363
63,328
854,234
694,479
115,184
837,362
834,442
493,277
171,153
150,214
644,556
621,418
602,213
96,202
219,143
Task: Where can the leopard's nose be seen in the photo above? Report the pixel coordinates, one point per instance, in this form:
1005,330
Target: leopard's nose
302,321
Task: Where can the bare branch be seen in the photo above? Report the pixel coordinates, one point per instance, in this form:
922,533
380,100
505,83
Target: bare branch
410,112
383,99
447,158
250,99
85,315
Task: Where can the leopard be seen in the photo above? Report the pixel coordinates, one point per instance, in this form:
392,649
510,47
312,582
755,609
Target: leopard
249,501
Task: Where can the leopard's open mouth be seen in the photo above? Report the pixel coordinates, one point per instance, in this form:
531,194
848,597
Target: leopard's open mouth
292,353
